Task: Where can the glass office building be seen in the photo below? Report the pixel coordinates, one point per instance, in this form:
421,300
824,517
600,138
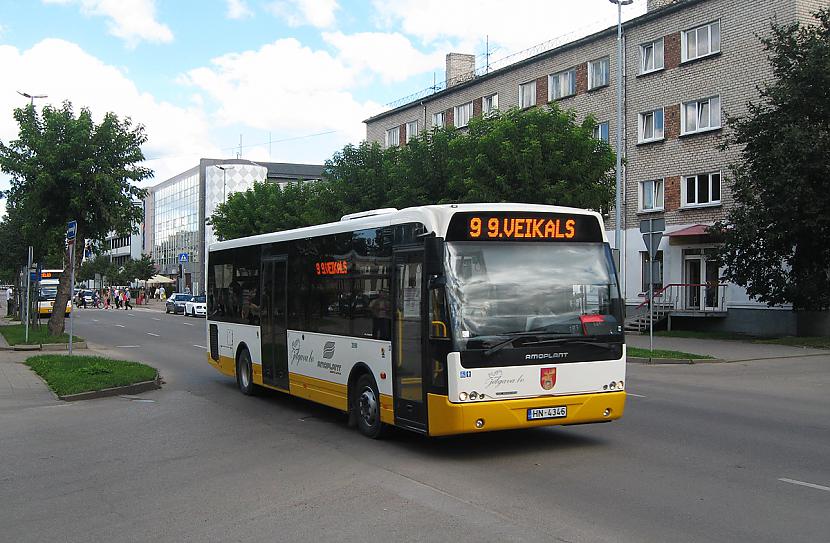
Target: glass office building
176,210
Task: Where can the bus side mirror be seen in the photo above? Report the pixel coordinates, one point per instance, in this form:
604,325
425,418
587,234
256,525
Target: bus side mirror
434,256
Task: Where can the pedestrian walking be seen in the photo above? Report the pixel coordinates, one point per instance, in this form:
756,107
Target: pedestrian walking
106,299
127,304
9,301
96,299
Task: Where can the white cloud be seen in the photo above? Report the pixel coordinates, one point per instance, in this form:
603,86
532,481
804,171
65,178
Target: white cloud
318,13
63,71
130,20
238,9
285,87
391,56
512,27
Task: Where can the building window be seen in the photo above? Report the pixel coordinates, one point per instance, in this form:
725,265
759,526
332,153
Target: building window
656,271
598,73
700,42
700,190
462,114
651,56
411,130
650,127
700,115
651,195
438,119
393,137
490,104
562,84
527,94
601,131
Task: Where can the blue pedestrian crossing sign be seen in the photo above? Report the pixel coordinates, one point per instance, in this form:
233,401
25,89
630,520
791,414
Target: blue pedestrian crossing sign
71,230
182,258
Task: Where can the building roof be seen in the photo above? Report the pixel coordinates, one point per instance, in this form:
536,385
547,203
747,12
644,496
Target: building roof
669,8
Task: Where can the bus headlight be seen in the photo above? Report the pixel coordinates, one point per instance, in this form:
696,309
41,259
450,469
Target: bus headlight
462,396
613,385
473,395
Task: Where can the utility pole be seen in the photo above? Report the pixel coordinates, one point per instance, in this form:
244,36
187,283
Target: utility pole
32,97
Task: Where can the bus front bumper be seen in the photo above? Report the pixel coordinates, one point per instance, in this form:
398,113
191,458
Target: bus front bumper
446,418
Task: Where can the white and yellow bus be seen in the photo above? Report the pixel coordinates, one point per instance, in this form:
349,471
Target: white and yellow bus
440,319
49,280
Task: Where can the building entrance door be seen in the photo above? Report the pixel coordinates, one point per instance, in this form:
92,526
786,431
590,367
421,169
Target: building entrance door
702,279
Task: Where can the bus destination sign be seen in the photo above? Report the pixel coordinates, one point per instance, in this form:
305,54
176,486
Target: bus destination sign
510,226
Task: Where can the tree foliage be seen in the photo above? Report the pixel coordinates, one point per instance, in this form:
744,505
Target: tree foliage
540,155
776,235
142,268
64,166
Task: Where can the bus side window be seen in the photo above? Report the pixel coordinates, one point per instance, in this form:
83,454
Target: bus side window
439,335
438,315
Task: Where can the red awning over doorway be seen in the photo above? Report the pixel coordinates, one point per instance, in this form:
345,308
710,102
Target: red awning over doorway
696,230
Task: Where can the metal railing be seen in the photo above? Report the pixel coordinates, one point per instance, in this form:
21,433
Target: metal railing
688,297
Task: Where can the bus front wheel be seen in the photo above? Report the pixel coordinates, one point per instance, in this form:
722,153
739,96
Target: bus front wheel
244,373
367,405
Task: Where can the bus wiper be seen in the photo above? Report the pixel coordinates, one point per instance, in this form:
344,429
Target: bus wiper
579,340
502,344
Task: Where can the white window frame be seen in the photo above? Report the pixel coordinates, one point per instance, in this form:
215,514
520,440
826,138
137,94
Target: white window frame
462,114
591,83
438,119
556,80
699,108
410,133
493,105
393,134
597,133
642,125
707,31
655,45
684,203
531,85
658,195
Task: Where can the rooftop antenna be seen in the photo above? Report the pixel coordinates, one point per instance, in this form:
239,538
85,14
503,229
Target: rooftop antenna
239,154
487,46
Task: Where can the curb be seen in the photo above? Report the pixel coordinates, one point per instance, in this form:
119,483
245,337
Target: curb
135,388
686,361
49,346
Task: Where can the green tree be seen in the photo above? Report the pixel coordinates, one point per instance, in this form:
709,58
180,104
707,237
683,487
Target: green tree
540,155
142,268
776,235
64,166
91,267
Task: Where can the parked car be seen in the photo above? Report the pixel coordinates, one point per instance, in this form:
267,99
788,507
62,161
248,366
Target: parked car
197,307
176,302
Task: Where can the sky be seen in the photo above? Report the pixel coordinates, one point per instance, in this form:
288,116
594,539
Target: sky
279,80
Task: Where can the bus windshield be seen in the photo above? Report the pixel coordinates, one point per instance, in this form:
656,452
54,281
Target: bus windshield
498,289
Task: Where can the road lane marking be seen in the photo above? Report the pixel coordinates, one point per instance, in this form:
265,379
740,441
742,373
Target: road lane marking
802,483
152,334
200,346
127,346
188,323
94,320
119,325
635,395
155,319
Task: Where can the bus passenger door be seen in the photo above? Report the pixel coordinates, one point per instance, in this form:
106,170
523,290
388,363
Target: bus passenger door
408,340
273,323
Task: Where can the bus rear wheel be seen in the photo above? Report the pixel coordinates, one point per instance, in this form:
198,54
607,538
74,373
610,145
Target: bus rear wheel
244,373
367,406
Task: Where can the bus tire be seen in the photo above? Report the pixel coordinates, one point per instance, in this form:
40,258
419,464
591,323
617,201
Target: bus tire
367,407
245,373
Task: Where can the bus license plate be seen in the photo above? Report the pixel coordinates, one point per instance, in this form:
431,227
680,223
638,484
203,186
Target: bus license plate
538,413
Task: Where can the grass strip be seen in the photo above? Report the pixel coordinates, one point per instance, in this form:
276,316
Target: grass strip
636,352
703,335
815,342
73,374
15,335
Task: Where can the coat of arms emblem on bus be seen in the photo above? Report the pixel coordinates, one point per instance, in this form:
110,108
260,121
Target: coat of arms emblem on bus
547,378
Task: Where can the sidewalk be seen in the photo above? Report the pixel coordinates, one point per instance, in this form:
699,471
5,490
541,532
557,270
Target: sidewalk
729,350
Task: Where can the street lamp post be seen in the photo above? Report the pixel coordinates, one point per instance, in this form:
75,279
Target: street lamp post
224,174
618,200
32,97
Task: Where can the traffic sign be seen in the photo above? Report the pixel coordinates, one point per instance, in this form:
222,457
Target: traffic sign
71,230
182,258
652,225
652,241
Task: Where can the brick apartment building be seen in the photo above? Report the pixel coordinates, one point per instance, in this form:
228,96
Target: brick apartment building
687,64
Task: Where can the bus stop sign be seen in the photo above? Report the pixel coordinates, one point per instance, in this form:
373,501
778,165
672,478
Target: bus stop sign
71,230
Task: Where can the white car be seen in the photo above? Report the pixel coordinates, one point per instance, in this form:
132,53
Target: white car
196,307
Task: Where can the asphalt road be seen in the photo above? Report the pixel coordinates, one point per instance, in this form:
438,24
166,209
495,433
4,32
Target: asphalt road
721,452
